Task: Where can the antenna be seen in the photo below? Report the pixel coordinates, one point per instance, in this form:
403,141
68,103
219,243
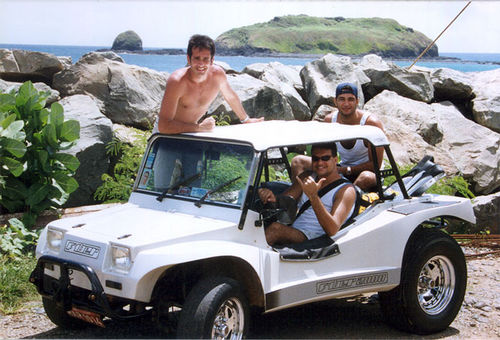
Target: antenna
432,43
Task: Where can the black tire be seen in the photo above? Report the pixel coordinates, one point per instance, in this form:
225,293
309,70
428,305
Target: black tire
432,288
59,317
215,308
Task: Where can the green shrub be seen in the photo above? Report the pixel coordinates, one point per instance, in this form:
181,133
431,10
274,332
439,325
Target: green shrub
15,239
126,159
15,289
41,177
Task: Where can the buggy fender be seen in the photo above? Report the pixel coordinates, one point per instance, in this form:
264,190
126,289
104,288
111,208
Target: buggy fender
149,265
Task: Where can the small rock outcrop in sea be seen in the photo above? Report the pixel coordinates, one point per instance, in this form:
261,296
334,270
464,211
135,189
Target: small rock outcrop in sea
127,41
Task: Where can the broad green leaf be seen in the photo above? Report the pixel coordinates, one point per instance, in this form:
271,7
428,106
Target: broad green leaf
49,135
37,193
67,183
56,117
7,102
70,131
8,120
70,162
14,166
43,117
14,147
43,157
12,205
14,130
15,189
66,145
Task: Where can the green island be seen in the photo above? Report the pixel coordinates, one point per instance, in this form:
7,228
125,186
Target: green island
302,34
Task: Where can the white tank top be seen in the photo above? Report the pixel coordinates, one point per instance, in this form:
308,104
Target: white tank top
307,222
358,154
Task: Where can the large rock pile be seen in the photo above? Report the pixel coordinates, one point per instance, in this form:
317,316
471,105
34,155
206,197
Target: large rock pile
452,115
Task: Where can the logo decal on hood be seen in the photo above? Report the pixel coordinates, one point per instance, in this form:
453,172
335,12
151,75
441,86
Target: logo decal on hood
83,249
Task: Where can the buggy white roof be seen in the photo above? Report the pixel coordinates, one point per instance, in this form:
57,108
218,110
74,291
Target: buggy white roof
276,133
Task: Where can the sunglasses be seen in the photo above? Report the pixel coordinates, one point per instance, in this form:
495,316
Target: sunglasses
323,158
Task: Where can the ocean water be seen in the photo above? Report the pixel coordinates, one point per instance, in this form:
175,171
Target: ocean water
466,62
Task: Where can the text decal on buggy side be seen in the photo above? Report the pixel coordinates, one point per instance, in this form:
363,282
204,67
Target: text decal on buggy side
351,282
83,249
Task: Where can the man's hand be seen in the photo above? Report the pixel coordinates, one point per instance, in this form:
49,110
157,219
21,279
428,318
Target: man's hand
207,124
254,120
309,186
266,195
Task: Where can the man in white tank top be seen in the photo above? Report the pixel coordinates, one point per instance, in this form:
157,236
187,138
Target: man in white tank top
326,214
355,156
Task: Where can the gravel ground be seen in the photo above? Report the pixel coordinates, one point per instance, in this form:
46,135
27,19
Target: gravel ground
479,317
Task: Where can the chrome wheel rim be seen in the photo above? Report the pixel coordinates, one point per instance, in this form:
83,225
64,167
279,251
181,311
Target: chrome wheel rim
229,321
436,284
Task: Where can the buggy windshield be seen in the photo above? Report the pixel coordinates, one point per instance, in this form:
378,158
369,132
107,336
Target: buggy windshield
191,169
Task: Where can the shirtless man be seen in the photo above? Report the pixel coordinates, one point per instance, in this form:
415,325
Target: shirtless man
355,156
190,90
327,213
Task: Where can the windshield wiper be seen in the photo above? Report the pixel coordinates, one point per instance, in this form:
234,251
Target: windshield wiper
177,185
220,186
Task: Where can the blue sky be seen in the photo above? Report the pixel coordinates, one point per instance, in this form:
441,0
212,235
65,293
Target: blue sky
171,23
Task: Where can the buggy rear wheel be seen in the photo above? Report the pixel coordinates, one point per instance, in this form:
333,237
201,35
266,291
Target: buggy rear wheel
432,288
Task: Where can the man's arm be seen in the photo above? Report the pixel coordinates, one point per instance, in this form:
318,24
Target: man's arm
166,120
234,101
331,221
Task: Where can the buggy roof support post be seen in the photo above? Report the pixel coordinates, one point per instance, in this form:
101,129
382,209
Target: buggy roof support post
285,160
396,172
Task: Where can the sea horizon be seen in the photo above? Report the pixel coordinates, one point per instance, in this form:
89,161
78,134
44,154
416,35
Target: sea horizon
461,61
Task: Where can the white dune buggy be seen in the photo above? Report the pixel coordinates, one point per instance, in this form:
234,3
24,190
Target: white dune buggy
189,250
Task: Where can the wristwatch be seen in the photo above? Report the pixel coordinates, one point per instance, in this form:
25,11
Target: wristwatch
348,171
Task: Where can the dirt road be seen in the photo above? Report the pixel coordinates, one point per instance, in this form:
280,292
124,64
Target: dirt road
358,318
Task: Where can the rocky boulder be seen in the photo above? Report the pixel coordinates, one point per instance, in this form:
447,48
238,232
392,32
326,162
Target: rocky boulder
22,65
487,211
127,41
126,94
321,77
285,79
259,99
458,144
388,76
486,104
95,132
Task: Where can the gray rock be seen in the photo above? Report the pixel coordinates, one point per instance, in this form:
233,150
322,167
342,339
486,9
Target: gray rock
487,211
34,66
66,61
225,66
255,70
451,85
388,76
95,132
259,99
486,104
286,79
87,57
128,40
458,144
323,111
8,63
126,94
321,77
125,134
